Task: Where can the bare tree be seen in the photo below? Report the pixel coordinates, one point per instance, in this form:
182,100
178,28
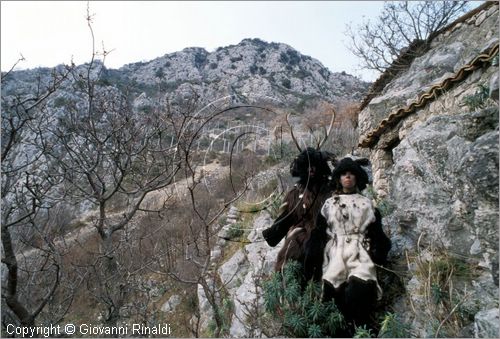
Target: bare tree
111,157
29,282
97,151
402,27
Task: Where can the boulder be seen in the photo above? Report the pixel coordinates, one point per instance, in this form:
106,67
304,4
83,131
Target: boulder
486,324
171,303
233,271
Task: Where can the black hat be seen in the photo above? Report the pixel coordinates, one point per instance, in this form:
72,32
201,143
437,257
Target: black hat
310,156
353,166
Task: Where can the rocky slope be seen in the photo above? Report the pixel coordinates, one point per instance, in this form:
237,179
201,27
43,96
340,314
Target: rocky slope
435,177
253,71
435,173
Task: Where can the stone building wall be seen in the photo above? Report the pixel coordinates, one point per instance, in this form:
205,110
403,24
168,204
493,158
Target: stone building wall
436,174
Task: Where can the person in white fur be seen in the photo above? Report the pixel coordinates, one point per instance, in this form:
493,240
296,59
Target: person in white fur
355,243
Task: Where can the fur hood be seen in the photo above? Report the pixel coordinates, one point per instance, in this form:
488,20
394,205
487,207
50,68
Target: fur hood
353,166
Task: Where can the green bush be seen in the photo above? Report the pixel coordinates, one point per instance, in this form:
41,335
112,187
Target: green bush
363,332
224,312
235,231
301,313
61,102
385,207
393,327
159,73
274,204
478,99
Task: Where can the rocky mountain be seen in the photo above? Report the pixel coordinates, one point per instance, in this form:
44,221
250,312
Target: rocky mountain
253,67
111,122
434,170
270,72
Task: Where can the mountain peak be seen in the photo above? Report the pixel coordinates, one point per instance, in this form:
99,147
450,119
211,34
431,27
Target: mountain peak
271,70
267,69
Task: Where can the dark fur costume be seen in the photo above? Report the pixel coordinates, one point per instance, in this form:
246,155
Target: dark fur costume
356,298
301,208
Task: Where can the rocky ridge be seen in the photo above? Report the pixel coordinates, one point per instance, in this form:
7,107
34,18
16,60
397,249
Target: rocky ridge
253,67
260,71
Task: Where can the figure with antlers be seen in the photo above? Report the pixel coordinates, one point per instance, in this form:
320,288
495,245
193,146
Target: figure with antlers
356,244
301,205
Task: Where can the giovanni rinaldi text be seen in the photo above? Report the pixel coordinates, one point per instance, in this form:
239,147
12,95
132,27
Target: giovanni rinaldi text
88,329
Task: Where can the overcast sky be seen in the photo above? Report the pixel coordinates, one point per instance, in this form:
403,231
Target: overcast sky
48,33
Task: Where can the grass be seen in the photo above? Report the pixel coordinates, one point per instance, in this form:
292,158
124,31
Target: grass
443,279
479,99
179,319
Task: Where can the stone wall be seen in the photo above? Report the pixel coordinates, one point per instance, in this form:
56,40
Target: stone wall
448,52
437,171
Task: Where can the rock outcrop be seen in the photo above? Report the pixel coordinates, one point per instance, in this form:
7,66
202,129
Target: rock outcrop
240,278
437,170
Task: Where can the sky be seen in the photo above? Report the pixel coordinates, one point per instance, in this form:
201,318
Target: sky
48,33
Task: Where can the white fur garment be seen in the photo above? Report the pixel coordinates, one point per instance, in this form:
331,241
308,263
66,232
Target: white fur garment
348,216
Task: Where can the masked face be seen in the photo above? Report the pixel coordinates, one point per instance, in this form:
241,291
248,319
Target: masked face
312,171
348,181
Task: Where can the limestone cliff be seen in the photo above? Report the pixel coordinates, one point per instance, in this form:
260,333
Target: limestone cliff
436,173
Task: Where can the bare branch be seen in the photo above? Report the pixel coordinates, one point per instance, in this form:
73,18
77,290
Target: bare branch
399,25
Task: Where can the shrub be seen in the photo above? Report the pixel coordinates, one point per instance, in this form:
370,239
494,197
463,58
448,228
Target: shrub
283,58
324,74
293,57
253,69
478,99
443,290
235,231
159,73
280,152
393,327
61,102
236,59
362,332
302,74
286,83
224,312
199,59
302,313
385,207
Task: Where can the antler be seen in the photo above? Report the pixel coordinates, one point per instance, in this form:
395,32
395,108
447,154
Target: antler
291,132
327,132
